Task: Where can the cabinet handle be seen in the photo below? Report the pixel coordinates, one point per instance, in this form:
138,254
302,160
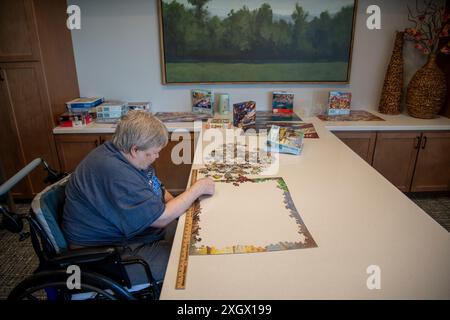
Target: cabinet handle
424,142
96,142
416,146
1,75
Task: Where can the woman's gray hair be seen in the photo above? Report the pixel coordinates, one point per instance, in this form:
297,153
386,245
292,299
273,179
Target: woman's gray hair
141,129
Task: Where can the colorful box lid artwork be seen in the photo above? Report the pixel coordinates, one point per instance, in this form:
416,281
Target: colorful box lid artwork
202,101
285,140
84,104
282,102
339,103
244,114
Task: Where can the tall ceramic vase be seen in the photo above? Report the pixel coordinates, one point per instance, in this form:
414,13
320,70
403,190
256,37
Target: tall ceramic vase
391,94
426,91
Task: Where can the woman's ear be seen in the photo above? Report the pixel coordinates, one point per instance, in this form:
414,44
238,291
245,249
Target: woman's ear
133,151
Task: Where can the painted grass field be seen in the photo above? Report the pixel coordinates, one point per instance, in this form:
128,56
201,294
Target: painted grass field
256,72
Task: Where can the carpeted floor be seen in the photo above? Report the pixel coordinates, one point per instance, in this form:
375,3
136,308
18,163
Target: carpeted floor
436,205
18,260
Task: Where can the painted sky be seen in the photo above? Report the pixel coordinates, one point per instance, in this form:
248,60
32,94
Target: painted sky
280,7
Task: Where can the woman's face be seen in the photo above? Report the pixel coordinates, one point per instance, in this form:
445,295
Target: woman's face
142,159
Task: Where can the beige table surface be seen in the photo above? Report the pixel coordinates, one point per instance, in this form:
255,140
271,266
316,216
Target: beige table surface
357,218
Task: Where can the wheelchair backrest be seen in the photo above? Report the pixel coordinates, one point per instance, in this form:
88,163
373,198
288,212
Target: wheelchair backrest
48,208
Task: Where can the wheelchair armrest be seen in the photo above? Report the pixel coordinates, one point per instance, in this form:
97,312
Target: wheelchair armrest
83,255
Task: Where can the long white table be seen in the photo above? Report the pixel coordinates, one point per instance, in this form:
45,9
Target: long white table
357,218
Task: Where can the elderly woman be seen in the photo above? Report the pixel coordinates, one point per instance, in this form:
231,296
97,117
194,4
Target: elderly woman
115,198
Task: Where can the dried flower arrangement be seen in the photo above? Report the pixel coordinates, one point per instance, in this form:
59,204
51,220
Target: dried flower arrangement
431,23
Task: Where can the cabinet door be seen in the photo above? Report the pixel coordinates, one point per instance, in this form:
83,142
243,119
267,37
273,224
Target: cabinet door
11,159
18,36
25,119
72,148
395,157
362,143
105,137
175,161
433,163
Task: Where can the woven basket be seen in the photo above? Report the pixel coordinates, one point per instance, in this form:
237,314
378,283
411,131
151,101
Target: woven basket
426,91
391,94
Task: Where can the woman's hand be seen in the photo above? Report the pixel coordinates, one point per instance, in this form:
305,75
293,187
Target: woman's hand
204,186
177,206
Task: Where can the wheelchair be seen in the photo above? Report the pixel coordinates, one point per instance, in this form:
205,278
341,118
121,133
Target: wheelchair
102,273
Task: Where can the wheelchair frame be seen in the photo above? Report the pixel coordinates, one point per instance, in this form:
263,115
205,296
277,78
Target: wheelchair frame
103,268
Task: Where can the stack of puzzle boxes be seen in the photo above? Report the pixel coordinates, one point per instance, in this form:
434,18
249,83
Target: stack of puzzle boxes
111,111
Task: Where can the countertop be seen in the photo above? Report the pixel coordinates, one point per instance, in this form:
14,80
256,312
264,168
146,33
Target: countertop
398,122
105,128
357,218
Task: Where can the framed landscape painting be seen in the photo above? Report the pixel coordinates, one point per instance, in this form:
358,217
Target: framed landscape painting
256,41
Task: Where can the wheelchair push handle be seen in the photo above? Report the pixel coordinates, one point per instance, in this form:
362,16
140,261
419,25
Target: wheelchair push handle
52,175
15,179
13,221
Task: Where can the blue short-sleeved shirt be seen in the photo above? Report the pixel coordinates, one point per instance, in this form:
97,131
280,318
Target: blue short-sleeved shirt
109,201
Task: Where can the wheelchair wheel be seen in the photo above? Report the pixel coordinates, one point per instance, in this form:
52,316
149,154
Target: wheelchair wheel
52,285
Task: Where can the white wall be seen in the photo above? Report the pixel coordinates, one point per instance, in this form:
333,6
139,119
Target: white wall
117,56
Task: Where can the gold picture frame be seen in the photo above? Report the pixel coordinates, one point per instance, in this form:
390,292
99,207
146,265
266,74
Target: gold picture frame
203,44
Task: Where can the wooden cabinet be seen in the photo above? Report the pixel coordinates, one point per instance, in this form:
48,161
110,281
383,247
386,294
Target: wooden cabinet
105,137
432,172
18,34
395,157
26,123
361,142
175,161
37,77
411,160
414,161
172,167
72,148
